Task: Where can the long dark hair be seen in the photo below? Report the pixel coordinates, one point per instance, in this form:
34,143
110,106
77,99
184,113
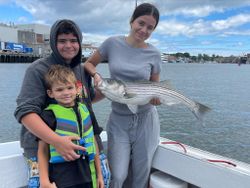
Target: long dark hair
146,9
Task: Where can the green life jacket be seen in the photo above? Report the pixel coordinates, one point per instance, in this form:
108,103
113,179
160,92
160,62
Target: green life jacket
67,125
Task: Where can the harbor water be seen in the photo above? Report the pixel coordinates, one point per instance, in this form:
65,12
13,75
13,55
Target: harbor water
225,88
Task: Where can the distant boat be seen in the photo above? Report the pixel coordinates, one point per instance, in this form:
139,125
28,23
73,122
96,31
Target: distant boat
242,60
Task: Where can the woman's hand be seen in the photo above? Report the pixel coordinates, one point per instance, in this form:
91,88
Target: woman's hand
155,101
97,79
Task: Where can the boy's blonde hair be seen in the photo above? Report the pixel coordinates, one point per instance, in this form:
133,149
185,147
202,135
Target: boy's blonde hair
59,74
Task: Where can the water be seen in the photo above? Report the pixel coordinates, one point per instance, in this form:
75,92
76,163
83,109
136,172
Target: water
224,88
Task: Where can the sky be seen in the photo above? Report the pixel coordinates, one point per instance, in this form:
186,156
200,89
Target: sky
212,27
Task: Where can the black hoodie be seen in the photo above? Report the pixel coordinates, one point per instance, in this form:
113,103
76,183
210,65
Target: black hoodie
33,96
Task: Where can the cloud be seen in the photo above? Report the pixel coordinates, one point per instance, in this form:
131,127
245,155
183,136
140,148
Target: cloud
91,15
231,22
186,23
197,11
243,33
22,19
197,8
2,2
112,17
94,39
202,27
189,29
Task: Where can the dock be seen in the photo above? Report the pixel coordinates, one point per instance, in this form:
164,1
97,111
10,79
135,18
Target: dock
17,58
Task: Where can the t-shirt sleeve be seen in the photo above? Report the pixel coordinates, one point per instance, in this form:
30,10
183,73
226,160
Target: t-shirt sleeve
49,118
32,96
156,68
104,49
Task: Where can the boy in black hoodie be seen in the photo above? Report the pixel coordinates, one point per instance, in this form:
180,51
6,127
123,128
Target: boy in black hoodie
33,98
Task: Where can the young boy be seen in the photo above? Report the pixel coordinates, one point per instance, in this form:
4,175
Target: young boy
68,118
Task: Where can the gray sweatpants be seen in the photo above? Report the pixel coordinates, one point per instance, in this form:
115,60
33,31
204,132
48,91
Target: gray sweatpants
132,137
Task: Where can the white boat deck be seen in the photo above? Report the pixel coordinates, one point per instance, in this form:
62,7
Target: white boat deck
181,161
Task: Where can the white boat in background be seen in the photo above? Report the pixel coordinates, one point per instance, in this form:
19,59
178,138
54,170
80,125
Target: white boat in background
174,165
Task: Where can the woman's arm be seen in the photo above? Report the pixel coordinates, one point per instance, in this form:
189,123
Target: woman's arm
155,77
90,66
92,62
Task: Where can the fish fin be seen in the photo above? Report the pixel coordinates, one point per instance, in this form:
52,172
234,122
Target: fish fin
133,108
166,83
200,111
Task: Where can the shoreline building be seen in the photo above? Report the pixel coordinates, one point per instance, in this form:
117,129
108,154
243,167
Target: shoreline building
8,33
26,38
31,39
36,36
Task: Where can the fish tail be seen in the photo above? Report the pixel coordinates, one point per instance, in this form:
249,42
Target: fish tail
200,111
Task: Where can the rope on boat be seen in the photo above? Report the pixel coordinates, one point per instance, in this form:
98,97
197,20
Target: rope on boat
210,160
177,143
221,161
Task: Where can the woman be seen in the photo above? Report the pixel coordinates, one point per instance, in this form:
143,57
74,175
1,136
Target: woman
131,136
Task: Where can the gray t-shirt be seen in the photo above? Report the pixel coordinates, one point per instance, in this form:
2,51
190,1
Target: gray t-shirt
129,64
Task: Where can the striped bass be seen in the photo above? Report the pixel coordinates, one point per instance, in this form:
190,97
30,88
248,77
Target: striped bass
140,93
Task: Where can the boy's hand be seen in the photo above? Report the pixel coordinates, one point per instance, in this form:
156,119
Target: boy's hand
100,182
67,148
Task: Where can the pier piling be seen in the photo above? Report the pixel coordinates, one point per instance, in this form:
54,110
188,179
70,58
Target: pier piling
17,58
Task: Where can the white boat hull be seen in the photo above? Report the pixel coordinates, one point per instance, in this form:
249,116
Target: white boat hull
186,163
13,171
194,167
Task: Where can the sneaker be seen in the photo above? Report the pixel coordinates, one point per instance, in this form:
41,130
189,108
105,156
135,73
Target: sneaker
33,173
105,169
